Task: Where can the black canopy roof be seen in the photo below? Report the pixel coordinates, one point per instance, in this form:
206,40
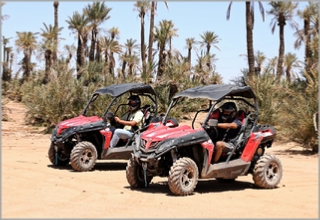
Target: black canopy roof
217,91
119,89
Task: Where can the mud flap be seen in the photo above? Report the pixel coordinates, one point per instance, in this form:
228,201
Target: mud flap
56,161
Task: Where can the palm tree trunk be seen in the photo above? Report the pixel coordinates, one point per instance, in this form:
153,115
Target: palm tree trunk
160,64
308,52
288,75
55,48
26,73
111,64
249,26
98,52
124,64
189,58
79,55
123,69
48,57
208,63
143,47
150,57
93,44
281,48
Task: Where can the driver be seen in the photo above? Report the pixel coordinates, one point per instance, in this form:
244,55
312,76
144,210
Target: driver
134,122
229,126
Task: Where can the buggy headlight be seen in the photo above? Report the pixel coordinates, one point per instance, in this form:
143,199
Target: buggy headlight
165,145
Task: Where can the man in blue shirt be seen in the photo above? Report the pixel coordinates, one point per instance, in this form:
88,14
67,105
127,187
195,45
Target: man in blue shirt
228,128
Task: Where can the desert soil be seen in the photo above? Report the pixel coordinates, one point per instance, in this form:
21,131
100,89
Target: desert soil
33,188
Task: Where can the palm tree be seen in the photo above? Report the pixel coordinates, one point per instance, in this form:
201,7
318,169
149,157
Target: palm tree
109,47
97,14
310,30
3,17
283,14
5,71
70,50
78,25
209,38
172,33
259,58
162,36
114,48
27,43
142,7
151,34
56,26
249,28
190,45
290,60
5,41
130,45
6,75
49,35
114,33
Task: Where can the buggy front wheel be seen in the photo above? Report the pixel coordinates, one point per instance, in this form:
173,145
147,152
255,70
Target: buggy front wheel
183,177
83,156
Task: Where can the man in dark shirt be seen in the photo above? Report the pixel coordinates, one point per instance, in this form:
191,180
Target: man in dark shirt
228,129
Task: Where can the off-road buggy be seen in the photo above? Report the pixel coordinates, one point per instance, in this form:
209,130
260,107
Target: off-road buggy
84,139
184,153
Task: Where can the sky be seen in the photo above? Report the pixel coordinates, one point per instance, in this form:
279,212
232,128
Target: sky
191,18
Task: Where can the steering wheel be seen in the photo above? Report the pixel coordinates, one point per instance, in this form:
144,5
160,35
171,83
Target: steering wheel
212,131
110,116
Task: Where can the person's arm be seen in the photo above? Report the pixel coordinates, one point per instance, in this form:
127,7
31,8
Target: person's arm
124,122
232,125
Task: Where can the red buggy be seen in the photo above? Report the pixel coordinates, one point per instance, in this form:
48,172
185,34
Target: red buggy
184,153
84,139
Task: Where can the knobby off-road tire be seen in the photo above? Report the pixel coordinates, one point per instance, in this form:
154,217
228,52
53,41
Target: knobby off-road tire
267,172
183,177
58,159
135,174
83,156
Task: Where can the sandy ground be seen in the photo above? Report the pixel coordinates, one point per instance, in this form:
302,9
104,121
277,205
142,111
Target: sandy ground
32,188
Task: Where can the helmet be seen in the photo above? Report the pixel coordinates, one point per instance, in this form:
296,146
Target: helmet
229,110
134,102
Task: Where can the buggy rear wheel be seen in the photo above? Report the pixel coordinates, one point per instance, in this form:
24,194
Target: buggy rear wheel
83,156
57,158
183,177
135,175
267,172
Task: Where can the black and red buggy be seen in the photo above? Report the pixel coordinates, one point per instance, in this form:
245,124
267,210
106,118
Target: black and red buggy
84,139
184,153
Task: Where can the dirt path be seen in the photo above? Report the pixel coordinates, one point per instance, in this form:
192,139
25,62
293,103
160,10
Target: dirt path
32,188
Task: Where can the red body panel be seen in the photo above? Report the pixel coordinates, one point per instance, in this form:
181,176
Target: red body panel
210,147
163,132
80,120
251,147
107,134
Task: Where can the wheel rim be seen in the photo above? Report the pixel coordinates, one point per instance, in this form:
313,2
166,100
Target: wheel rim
187,178
86,157
272,172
